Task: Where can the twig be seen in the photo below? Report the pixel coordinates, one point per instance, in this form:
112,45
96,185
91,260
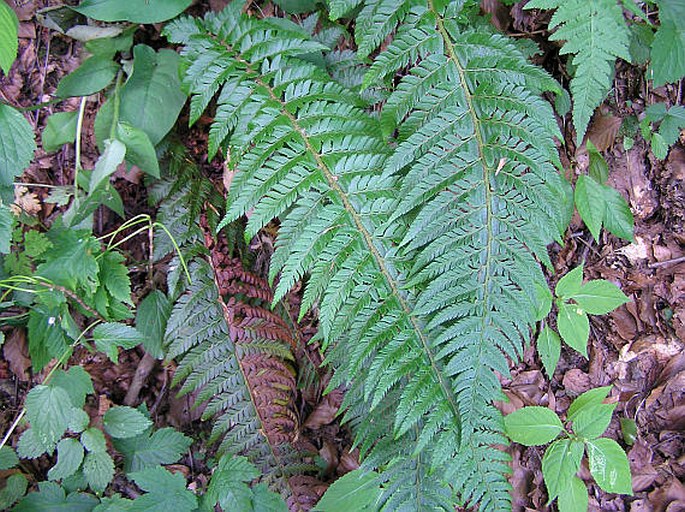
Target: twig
673,261
145,366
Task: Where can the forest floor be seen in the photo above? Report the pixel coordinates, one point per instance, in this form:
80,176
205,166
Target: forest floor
639,348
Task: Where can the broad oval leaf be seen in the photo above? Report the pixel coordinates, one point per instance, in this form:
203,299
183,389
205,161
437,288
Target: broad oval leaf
135,11
532,426
587,400
17,145
123,422
93,75
9,25
599,297
139,149
549,348
357,490
560,464
107,164
69,457
59,130
590,202
574,326
591,422
618,219
609,465
570,283
574,497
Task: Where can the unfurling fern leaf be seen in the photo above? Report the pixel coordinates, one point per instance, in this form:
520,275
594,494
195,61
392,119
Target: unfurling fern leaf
422,298
596,34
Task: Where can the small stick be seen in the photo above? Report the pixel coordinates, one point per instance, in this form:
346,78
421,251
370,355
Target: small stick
673,261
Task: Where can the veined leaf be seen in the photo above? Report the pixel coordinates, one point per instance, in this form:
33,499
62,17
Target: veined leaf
560,464
587,400
356,490
107,164
574,497
574,326
589,198
549,348
609,465
599,297
69,457
93,75
17,145
59,130
122,422
533,426
9,24
135,11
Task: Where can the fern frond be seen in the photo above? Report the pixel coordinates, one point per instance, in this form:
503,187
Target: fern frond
595,33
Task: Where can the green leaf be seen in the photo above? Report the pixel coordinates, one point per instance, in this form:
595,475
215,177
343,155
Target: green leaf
9,24
587,400
59,130
109,336
609,465
151,99
71,263
532,426
48,408
574,326
357,490
574,497
6,227
544,301
31,445
228,486
114,275
151,319
166,492
164,446
98,468
123,422
15,488
135,11
560,464
114,503
36,243
113,155
618,219
570,284
628,430
52,498
69,458
93,75
599,297
139,149
264,500
8,459
668,47
79,421
296,6
94,440
672,123
549,348
589,200
109,46
76,382
591,422
598,168
17,145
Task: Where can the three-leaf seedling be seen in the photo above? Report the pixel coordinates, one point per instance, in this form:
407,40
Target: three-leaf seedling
589,418
575,301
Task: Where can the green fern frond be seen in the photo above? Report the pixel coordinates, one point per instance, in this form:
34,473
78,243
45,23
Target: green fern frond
595,33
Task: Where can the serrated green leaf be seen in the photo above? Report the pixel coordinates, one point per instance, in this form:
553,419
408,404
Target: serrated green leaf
591,422
114,503
618,219
71,262
151,99
59,130
6,226
93,75
15,488
672,123
339,8
599,297
48,409
52,498
598,168
296,6
659,146
94,440
79,421
69,457
113,155
228,486
9,24
8,459
114,275
31,446
560,464
549,348
76,382
668,47
574,497
164,446
98,468
139,149
587,400
264,500
357,490
570,284
123,422
532,426
574,326
109,336
544,300
589,199
17,145
609,465
36,243
151,319
165,491
135,11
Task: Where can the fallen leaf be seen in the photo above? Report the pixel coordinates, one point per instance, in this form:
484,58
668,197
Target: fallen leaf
16,353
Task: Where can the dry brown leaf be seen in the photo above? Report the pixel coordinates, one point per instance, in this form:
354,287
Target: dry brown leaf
324,413
576,382
25,201
16,353
603,131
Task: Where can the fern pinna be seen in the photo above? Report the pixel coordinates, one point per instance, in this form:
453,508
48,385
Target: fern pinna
421,258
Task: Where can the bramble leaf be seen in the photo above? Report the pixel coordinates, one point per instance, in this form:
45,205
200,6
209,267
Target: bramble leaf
123,422
17,145
165,491
164,446
69,457
109,336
